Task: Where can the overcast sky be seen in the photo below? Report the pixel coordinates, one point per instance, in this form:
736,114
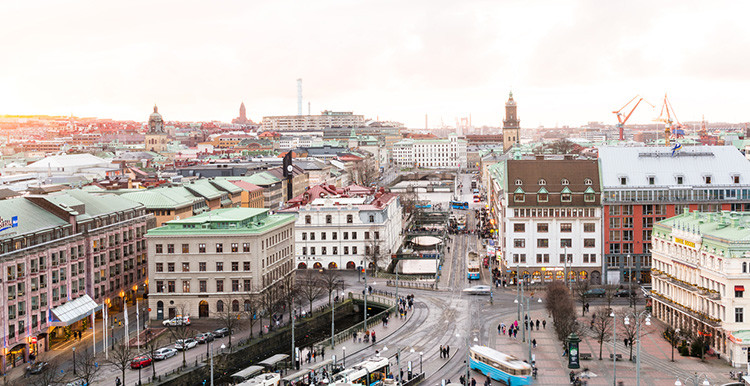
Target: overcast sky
567,62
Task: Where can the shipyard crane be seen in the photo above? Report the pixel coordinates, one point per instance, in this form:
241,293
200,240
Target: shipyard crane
672,126
622,119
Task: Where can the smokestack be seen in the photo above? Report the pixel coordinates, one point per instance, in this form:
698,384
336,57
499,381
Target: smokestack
308,108
299,96
425,122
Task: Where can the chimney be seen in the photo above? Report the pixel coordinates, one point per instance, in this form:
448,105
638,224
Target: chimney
685,210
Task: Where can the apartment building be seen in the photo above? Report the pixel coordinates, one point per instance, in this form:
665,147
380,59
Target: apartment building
447,153
550,215
346,227
644,185
62,256
212,262
699,272
326,119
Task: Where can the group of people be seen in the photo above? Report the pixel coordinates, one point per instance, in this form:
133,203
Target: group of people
405,305
512,331
445,351
367,335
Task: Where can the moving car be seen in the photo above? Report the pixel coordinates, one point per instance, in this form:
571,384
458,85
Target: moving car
595,292
140,361
164,353
36,368
177,321
220,333
478,290
624,293
204,337
185,344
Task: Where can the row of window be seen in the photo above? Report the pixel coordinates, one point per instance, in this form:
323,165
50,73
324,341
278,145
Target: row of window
646,210
564,182
554,212
335,235
329,219
520,258
335,250
544,197
564,227
202,266
233,247
679,180
564,243
171,286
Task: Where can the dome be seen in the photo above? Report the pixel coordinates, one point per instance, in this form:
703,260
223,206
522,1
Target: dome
155,114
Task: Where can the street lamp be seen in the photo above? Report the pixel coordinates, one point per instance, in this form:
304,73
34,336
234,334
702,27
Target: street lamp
673,337
344,348
74,360
468,355
420,361
212,360
638,340
614,348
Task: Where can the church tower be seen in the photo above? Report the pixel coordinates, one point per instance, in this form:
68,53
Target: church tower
156,136
511,125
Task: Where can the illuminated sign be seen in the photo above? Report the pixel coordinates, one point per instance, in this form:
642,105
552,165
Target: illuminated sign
684,242
7,224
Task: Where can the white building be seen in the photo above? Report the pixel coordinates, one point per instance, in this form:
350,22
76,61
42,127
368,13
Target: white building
326,119
551,218
345,227
447,153
700,272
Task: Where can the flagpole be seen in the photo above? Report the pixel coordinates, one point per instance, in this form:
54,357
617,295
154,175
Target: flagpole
93,325
137,325
105,333
126,338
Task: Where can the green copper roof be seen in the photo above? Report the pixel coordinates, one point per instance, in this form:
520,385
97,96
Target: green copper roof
518,190
224,184
225,221
260,179
204,188
566,190
589,190
542,190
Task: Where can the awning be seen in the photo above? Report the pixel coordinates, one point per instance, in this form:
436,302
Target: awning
739,288
73,311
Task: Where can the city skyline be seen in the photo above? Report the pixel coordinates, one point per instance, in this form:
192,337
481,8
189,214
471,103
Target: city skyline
566,63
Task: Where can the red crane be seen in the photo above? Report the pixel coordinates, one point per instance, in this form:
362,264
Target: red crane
672,126
623,119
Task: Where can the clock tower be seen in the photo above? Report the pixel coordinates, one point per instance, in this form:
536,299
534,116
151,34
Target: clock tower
511,125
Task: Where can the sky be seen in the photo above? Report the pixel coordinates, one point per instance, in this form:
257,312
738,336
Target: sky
567,62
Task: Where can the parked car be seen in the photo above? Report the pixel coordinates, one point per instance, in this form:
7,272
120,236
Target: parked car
164,353
595,292
140,361
185,344
624,293
478,290
177,321
220,333
36,368
204,337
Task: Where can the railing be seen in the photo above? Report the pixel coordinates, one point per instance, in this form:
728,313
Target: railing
411,284
392,276
380,297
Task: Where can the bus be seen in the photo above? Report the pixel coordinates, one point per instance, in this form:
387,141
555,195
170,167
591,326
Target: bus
461,223
247,373
473,266
499,366
371,372
459,205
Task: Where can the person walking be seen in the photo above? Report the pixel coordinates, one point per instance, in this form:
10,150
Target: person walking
447,351
544,323
533,343
354,337
537,324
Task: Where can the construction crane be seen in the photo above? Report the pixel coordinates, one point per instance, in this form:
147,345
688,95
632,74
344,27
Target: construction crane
672,126
622,119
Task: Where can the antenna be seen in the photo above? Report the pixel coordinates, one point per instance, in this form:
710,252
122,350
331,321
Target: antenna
299,96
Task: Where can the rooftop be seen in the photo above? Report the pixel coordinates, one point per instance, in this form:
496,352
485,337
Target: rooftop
225,221
730,227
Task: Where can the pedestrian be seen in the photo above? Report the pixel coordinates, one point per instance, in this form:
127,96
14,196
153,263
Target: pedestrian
544,323
625,341
510,332
515,333
354,335
447,351
537,324
533,343
473,381
323,352
499,329
487,382
118,382
373,337
462,379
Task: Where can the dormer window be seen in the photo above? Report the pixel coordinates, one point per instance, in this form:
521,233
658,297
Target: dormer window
589,195
651,180
542,182
519,182
623,180
566,195
588,182
680,180
564,182
736,179
542,195
707,180
519,195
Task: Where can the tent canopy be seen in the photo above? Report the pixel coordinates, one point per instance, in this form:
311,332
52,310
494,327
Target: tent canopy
73,311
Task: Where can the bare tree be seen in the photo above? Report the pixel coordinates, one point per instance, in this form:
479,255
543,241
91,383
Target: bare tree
602,327
181,332
409,201
310,286
373,253
365,172
629,331
230,315
610,291
331,281
268,302
152,344
560,305
289,292
120,357
252,307
581,291
87,368
49,376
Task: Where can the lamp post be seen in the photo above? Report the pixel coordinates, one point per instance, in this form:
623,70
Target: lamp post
222,347
344,348
420,361
333,320
674,336
638,341
74,360
364,271
468,355
614,348
294,353
695,379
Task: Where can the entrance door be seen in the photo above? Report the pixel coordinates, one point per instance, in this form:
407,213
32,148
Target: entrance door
159,310
203,309
172,312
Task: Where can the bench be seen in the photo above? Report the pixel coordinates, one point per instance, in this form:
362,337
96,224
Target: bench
585,356
619,356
